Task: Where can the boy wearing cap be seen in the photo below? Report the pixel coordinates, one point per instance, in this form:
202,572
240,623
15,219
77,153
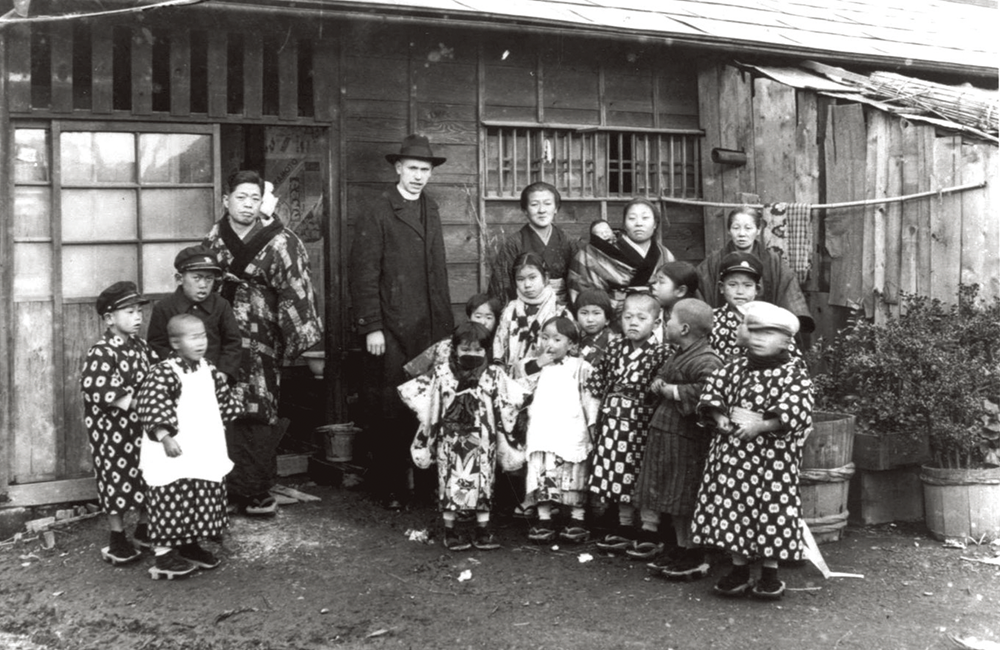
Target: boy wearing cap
739,284
113,370
197,271
760,406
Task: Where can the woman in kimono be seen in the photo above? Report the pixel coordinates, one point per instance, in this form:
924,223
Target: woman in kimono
462,407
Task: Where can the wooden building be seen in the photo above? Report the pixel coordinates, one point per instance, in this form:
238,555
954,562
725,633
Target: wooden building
120,120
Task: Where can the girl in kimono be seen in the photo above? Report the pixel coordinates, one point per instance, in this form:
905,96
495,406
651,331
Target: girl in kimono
621,381
739,284
184,405
594,314
560,418
521,321
461,407
480,308
760,406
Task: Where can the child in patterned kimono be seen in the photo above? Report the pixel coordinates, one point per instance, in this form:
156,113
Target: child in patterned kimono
672,281
561,417
594,313
184,406
521,321
761,408
674,462
621,381
113,370
480,308
461,407
739,284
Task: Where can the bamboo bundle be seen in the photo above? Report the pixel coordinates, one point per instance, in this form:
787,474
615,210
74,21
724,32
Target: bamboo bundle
963,104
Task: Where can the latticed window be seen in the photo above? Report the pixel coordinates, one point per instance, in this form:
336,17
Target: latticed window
592,162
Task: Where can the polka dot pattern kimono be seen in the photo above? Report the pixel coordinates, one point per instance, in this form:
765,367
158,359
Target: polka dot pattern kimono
748,502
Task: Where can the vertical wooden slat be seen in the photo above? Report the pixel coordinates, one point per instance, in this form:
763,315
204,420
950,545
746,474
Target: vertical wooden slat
974,242
288,81
710,120
412,96
217,59
102,53
142,72
893,215
483,164
807,172
990,277
844,146
539,88
924,172
180,73
673,165
946,222
910,224
18,95
514,180
253,77
873,261
6,270
326,99
58,305
61,44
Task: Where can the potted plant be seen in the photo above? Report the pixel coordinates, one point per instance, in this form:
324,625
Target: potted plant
928,379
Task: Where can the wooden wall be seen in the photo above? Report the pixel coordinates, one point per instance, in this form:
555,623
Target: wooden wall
807,148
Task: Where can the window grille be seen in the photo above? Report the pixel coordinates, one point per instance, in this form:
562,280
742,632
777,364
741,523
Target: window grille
588,163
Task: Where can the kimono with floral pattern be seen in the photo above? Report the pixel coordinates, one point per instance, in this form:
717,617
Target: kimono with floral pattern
726,319
458,430
748,502
519,326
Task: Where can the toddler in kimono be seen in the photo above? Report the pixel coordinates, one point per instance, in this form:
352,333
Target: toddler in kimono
184,405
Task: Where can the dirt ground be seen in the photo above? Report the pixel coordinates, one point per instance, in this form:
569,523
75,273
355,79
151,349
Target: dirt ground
343,573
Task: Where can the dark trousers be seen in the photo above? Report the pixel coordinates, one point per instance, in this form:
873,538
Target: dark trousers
253,447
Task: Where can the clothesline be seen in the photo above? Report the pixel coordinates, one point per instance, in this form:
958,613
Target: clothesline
830,206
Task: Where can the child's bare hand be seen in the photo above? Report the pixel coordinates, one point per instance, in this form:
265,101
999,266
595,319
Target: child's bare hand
658,386
748,431
723,423
171,447
544,358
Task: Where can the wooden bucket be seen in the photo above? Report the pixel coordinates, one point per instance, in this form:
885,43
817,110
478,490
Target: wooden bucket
962,502
338,441
825,475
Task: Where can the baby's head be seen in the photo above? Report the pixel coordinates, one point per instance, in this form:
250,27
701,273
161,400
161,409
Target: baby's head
530,275
739,278
197,270
689,320
187,336
767,329
673,281
601,229
558,337
593,311
470,347
484,310
640,316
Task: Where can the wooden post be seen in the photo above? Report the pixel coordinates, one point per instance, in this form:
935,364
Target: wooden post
102,54
180,73
6,266
142,73
61,47
253,77
288,79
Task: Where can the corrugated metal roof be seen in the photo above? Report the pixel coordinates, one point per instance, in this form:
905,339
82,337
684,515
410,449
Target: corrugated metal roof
930,34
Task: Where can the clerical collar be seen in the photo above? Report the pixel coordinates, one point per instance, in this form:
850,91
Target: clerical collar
406,195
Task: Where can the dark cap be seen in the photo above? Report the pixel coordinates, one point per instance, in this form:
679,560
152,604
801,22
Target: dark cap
418,147
740,262
118,296
197,258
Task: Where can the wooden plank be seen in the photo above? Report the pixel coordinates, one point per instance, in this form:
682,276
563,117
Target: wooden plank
142,72
712,181
52,492
946,222
61,44
81,328
461,242
736,119
326,80
807,173
509,87
385,130
912,164
873,259
33,400
102,55
6,271
376,78
447,83
844,146
18,68
990,288
974,218
217,63
288,80
253,77
893,216
180,73
774,123
927,136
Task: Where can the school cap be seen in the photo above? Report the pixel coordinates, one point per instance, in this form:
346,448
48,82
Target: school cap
740,262
197,258
759,315
118,296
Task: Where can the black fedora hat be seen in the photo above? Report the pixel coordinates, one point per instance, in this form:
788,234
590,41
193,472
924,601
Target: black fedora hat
418,147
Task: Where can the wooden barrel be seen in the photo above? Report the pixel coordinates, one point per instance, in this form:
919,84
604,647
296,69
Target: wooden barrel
825,475
962,502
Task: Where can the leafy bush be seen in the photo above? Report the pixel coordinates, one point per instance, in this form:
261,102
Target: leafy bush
933,371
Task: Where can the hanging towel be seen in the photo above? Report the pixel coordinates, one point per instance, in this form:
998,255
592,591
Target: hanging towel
788,232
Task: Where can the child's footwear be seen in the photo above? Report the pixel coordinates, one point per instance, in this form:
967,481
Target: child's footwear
543,533
141,536
522,511
617,541
768,587
736,583
262,505
574,534
171,565
119,550
455,542
689,565
646,547
667,559
198,556
484,539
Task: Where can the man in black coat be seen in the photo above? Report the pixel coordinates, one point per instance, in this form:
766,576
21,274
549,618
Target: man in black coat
400,302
